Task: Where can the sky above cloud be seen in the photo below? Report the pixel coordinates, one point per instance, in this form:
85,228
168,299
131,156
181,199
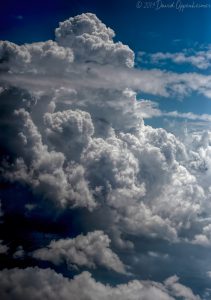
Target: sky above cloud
105,193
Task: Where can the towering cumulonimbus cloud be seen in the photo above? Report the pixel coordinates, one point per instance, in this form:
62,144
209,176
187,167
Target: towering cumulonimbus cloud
81,146
91,146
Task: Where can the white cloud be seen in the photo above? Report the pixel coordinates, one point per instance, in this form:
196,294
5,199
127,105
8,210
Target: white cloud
92,41
80,140
69,130
150,109
36,58
89,250
200,59
77,140
44,170
154,81
178,289
35,283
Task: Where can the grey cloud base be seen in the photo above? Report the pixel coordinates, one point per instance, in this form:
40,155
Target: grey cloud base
35,283
90,251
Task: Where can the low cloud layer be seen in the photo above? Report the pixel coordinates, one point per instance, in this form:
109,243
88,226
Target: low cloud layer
93,75
35,283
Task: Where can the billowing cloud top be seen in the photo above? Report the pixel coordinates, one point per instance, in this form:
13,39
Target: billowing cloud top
91,40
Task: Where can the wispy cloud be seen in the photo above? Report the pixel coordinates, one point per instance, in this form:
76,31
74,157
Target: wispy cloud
200,59
155,82
150,109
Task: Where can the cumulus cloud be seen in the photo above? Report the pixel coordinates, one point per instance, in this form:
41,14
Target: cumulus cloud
150,109
178,289
44,170
69,130
35,283
171,203
200,59
91,40
83,143
89,250
37,58
77,141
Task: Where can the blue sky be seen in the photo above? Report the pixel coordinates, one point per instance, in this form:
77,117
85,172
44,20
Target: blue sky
147,30
135,27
